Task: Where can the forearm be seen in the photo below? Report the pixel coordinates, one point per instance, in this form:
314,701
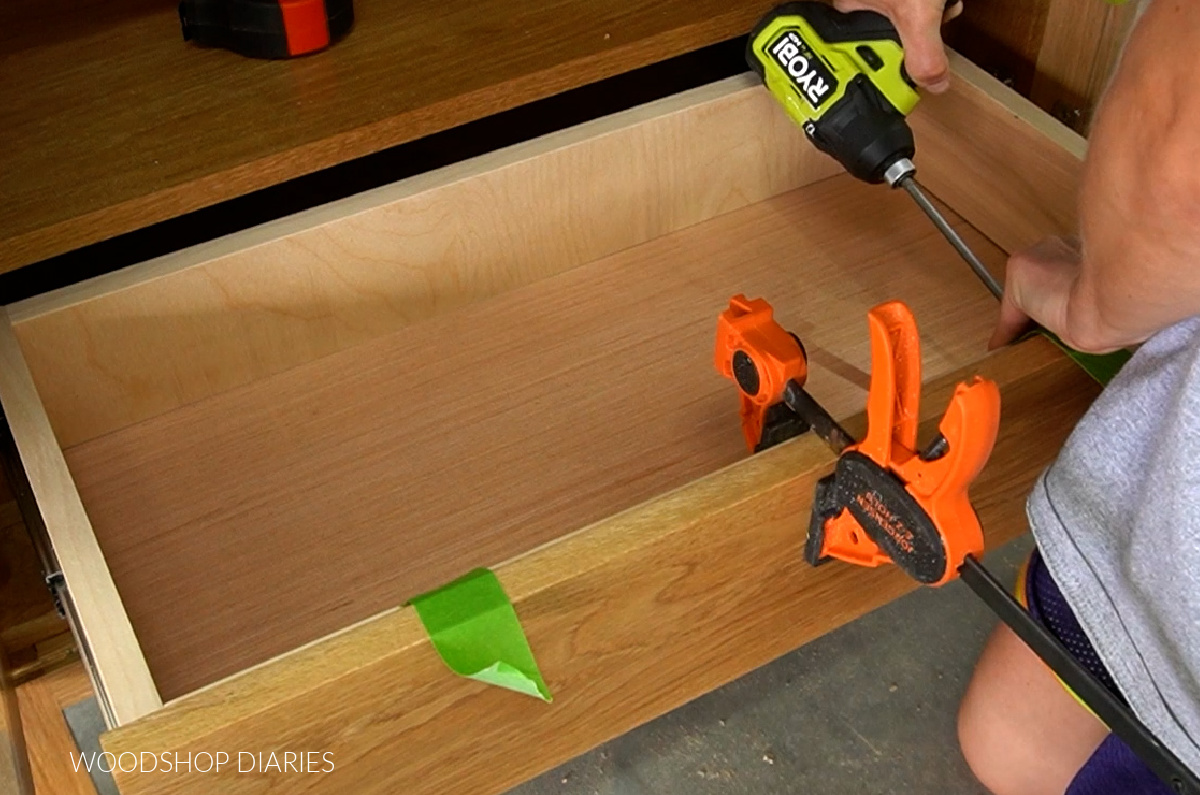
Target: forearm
1140,196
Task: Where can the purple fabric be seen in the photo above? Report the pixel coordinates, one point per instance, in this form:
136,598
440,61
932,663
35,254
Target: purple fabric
1113,769
1048,607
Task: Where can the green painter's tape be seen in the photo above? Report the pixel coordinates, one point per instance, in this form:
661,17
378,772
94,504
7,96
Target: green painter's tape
1101,366
476,632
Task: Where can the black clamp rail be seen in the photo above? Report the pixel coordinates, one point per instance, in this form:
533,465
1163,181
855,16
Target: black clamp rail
1115,713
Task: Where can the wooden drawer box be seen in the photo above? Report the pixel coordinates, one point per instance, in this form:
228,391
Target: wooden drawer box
249,454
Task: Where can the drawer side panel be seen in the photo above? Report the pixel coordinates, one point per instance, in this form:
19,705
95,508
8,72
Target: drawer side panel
93,605
141,342
1008,168
628,618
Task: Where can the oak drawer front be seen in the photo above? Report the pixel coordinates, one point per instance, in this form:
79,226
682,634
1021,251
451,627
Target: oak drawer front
247,454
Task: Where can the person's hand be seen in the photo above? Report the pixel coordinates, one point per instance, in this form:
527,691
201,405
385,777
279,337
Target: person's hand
1037,287
920,25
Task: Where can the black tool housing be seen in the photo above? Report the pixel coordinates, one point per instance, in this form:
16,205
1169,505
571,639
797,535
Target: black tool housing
780,423
886,512
254,28
863,131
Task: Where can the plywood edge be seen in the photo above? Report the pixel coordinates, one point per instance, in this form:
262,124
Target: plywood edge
1007,167
629,618
100,622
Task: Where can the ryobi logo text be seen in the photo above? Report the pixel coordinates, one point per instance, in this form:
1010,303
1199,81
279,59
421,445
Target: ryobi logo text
810,76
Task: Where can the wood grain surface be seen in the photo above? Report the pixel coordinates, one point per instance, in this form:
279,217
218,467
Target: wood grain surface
15,776
112,122
147,339
24,600
150,338
48,738
1006,166
1083,44
246,524
1059,53
1003,38
628,618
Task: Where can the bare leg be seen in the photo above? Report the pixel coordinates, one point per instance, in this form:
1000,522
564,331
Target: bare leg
1020,731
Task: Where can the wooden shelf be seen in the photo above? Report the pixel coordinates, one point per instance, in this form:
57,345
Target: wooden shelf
112,122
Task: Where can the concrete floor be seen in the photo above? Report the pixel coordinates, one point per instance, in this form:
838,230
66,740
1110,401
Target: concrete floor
869,708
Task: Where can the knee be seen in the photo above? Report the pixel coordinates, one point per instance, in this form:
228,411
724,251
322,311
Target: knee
1019,731
981,748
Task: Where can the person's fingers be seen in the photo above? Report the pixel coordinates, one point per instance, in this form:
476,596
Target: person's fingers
845,6
924,54
920,28
1011,324
952,11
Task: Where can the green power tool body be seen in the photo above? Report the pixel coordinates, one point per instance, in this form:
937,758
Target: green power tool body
840,77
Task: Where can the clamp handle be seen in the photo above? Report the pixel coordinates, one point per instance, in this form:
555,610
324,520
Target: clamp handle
940,477
894,398
888,501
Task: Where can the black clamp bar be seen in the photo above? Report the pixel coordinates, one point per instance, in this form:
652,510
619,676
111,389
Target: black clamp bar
1116,714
